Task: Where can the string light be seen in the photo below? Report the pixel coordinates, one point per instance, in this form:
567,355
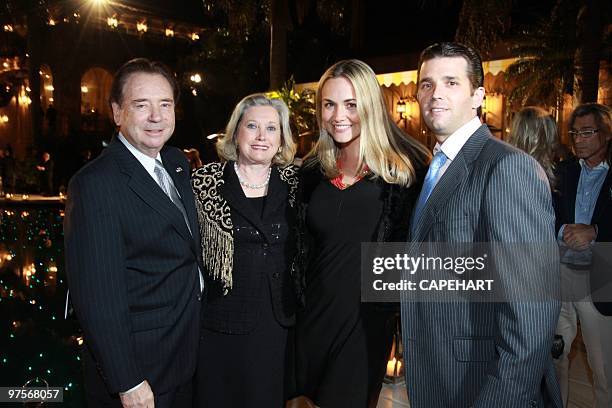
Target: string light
53,359
112,22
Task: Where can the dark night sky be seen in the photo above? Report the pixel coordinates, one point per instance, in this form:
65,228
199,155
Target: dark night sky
391,27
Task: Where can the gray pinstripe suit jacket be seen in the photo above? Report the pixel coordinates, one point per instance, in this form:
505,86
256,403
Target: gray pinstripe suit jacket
485,354
132,269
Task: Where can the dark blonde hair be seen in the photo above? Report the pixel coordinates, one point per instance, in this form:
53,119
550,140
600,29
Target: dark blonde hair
388,152
535,132
227,148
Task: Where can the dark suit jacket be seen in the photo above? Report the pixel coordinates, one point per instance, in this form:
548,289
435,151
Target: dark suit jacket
262,260
568,175
132,270
467,354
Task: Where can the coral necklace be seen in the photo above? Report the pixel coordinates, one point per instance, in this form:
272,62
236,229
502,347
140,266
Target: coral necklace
337,181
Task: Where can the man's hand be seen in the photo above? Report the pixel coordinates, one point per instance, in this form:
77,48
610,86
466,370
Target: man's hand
579,236
140,397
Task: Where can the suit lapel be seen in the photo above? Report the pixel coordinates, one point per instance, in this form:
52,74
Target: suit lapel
573,179
143,185
180,176
232,192
451,179
277,193
604,194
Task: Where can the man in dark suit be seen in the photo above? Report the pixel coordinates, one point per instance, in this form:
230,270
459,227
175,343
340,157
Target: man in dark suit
583,204
461,354
132,248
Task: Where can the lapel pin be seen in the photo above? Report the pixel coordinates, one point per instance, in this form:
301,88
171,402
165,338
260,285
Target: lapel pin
179,169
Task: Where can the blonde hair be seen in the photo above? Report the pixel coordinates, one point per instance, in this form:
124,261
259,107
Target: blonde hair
535,132
227,149
387,151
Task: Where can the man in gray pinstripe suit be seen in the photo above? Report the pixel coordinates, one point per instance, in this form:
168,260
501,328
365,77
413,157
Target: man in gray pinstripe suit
478,189
131,258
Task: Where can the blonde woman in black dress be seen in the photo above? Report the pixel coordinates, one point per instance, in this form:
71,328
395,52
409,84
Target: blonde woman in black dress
359,185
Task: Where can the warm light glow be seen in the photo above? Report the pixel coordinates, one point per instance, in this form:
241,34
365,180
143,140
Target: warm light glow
194,92
5,64
141,27
214,136
51,99
401,106
393,367
98,2
4,119
8,27
53,269
195,36
28,271
169,32
196,78
49,88
112,22
79,340
52,22
23,98
84,89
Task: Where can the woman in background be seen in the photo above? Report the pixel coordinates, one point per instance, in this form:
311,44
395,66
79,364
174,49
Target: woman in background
535,132
358,185
245,210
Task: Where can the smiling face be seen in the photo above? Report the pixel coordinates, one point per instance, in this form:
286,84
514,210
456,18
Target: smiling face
146,114
258,135
445,95
339,110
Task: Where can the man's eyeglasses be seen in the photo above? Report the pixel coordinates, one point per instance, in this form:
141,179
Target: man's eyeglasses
584,133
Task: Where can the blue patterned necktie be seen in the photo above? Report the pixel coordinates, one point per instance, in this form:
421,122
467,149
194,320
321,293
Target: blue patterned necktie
431,179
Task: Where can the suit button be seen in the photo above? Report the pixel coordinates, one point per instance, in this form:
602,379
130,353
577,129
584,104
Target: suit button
265,246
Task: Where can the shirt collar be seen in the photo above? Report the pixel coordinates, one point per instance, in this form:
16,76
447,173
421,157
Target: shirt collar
453,144
601,166
147,162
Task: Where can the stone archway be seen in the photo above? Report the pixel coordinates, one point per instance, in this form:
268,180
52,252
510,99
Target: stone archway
95,88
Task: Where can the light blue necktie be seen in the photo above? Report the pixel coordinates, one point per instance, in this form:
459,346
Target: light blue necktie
428,185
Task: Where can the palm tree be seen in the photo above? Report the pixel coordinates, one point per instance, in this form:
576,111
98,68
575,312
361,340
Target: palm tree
283,16
561,55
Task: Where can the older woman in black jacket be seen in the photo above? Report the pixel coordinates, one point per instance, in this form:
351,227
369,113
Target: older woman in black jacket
246,212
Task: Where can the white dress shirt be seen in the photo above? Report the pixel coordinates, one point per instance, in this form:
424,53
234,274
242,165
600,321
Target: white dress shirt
453,144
